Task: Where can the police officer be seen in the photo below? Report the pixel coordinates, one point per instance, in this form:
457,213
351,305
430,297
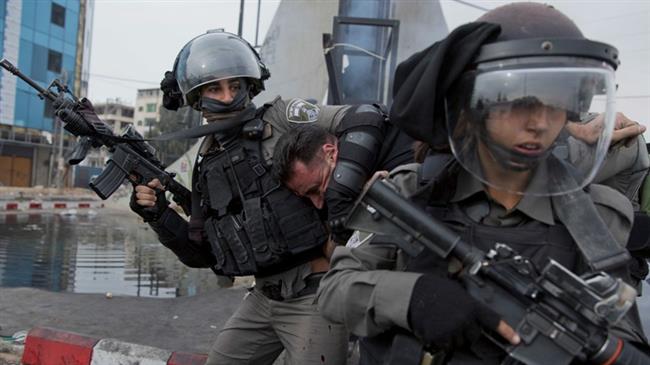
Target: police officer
243,222
504,95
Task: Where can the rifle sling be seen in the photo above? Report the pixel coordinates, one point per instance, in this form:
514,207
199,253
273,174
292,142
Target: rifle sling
199,131
578,213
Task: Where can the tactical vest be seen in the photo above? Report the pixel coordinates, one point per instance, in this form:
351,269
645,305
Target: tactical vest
254,224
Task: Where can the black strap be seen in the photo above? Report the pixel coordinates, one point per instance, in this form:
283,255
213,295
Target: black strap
200,131
578,213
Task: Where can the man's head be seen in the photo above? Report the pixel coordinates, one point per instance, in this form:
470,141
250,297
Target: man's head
217,62
304,159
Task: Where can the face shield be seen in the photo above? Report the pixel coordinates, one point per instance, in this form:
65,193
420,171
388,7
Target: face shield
212,57
535,126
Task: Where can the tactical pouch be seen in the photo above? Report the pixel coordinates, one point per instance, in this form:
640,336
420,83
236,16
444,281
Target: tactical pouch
220,251
298,221
229,240
256,227
219,192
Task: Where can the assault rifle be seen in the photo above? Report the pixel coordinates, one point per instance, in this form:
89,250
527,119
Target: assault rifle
558,315
132,158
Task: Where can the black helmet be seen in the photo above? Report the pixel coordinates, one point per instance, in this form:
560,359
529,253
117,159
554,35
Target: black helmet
525,96
214,56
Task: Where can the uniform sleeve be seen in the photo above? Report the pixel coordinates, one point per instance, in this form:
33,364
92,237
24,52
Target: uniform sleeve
625,168
172,232
365,288
362,292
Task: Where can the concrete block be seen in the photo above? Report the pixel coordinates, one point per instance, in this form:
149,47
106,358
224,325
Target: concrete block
45,346
113,352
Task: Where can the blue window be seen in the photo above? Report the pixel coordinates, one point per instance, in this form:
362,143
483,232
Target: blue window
57,16
54,61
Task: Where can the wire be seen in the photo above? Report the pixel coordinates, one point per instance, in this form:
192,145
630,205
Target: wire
633,97
327,50
472,5
122,79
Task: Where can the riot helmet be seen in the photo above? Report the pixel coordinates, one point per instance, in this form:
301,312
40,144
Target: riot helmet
518,107
214,56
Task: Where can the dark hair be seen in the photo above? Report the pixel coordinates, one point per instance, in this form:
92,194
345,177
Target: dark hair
301,143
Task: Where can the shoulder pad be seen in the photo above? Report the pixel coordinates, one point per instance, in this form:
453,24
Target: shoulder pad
605,196
405,178
302,111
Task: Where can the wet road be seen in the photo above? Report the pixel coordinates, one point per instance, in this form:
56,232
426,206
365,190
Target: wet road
93,252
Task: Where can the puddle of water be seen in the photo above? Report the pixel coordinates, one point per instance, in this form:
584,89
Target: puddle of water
99,252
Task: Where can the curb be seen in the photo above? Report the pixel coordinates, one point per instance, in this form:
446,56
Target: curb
35,205
47,346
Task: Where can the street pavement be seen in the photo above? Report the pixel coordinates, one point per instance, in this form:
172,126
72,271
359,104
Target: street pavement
186,324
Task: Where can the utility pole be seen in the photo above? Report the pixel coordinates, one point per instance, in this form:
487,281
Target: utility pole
60,166
241,18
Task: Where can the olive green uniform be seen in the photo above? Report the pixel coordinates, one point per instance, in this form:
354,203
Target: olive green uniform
366,288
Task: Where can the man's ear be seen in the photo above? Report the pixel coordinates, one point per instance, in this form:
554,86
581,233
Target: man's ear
330,151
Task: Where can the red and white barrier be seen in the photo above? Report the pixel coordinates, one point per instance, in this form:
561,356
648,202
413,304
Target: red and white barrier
46,346
41,205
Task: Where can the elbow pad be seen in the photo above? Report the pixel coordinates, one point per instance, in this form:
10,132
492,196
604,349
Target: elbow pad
361,135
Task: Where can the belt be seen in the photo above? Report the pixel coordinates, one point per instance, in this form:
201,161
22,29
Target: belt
273,291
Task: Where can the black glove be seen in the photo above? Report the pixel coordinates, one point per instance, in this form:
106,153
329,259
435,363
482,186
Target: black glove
172,95
150,214
441,311
338,207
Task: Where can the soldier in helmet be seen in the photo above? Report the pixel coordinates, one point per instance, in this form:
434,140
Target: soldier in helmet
509,97
243,222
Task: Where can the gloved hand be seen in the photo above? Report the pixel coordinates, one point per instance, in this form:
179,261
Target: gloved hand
441,311
172,95
149,201
338,207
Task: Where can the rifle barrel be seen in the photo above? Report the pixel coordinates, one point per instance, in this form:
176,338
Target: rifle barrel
14,70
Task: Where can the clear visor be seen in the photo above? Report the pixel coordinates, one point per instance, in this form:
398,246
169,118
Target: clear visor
536,131
214,57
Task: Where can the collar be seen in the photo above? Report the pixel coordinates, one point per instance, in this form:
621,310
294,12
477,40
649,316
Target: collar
536,207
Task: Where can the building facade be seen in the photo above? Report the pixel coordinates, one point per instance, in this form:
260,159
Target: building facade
147,110
116,114
46,39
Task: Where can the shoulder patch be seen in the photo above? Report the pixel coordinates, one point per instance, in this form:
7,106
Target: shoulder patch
302,111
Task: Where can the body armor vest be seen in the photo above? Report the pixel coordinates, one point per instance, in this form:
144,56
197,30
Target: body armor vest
254,224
